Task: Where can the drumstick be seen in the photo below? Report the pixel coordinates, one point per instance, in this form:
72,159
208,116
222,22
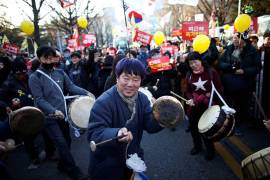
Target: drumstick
94,145
180,97
71,97
260,107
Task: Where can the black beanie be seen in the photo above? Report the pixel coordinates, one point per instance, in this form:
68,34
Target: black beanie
76,54
194,56
18,65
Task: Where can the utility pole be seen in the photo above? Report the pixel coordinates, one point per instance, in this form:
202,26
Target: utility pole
239,6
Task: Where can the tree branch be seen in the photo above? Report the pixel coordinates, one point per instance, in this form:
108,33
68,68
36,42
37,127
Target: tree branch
40,4
25,1
207,5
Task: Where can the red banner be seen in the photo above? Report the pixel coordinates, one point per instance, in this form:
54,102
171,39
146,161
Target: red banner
176,32
170,48
73,43
254,25
157,64
11,48
142,37
88,40
193,28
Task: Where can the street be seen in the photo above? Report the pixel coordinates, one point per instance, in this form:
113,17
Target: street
166,156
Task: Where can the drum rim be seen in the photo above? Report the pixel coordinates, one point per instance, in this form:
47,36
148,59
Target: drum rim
148,94
254,156
12,114
201,127
72,104
171,97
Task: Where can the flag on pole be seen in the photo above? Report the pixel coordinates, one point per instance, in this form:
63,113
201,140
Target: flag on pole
24,44
5,39
132,20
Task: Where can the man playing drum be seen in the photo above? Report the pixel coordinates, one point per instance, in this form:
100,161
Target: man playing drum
198,92
47,85
14,94
121,110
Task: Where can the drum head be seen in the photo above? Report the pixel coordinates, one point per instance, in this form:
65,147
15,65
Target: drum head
79,111
208,118
168,111
257,165
148,94
26,121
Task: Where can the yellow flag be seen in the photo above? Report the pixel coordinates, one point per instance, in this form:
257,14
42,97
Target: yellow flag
5,39
24,44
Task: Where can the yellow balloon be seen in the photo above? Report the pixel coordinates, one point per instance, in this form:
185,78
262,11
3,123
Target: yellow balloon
242,22
27,27
82,22
201,43
159,37
226,27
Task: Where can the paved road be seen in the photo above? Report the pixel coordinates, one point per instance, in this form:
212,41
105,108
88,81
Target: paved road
166,156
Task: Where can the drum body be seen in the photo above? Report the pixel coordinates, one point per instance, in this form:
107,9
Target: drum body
148,94
26,121
257,165
168,111
215,124
79,111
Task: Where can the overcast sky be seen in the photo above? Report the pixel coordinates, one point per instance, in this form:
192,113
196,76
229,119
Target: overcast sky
16,10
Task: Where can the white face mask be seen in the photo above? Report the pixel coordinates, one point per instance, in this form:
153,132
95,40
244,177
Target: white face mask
66,55
67,63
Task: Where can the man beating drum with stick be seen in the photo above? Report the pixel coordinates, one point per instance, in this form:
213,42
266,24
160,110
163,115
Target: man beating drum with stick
47,85
117,121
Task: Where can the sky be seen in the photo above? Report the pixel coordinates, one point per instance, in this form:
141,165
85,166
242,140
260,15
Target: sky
16,9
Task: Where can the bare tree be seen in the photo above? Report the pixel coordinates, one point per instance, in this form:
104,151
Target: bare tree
66,19
36,7
221,9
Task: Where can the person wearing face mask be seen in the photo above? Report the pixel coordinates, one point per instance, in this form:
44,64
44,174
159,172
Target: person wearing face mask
239,66
67,58
14,94
78,70
47,85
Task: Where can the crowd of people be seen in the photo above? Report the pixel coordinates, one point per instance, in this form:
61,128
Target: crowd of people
114,78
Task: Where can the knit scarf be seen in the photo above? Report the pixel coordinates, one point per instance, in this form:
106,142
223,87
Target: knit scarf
131,101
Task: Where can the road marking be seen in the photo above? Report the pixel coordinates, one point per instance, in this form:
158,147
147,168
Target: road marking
240,145
229,159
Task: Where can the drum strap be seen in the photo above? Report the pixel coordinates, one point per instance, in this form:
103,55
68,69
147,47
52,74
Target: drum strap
214,90
76,131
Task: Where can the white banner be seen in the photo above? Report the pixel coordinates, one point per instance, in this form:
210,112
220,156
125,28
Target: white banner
186,2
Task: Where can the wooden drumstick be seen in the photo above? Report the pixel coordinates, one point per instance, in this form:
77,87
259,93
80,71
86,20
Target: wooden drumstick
94,145
260,107
180,97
